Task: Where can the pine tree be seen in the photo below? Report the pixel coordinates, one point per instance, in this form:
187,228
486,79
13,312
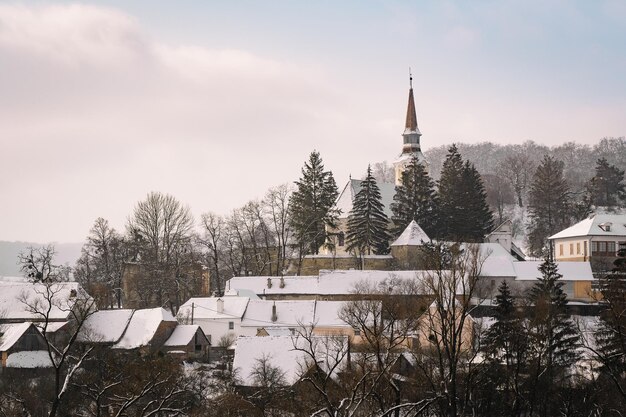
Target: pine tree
463,209
311,205
478,216
367,223
506,346
606,188
415,199
549,208
553,338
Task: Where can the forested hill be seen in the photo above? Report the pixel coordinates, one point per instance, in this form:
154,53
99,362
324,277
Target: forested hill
67,253
492,158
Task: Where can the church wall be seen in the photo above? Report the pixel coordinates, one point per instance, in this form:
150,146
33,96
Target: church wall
311,265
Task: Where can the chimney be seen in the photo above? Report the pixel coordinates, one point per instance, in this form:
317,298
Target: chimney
220,305
269,282
282,282
274,316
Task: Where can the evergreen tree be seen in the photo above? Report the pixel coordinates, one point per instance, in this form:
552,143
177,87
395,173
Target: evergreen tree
311,205
553,339
606,188
506,346
478,216
367,223
549,208
415,199
611,335
463,209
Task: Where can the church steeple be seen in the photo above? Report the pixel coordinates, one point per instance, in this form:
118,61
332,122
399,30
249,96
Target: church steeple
411,133
410,138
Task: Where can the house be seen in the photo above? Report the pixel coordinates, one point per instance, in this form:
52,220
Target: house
503,234
219,317
596,239
24,301
144,330
187,341
23,346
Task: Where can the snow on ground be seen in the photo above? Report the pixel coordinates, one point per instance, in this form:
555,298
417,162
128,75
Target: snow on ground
29,359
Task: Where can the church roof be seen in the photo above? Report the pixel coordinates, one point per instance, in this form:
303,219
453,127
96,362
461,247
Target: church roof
413,235
352,187
411,117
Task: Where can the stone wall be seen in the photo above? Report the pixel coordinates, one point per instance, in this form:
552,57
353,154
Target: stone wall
311,265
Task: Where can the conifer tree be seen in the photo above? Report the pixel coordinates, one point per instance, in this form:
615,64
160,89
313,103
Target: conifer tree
463,209
478,216
553,339
549,208
506,346
367,223
311,205
415,199
606,188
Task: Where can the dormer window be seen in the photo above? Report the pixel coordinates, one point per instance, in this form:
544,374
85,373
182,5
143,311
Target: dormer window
606,226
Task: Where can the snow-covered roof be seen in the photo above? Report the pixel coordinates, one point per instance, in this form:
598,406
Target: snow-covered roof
183,334
497,262
591,227
142,327
413,235
288,313
207,308
351,189
29,359
293,313
105,326
571,271
16,296
329,282
11,333
281,353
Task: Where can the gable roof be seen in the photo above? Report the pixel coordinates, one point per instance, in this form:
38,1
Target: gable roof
413,235
142,327
293,313
591,227
353,186
105,326
183,335
11,333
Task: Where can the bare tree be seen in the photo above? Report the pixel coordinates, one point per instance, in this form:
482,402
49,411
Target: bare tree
66,356
37,264
276,204
101,263
213,227
518,170
161,228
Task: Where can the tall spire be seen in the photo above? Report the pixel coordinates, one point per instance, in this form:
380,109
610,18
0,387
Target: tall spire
411,117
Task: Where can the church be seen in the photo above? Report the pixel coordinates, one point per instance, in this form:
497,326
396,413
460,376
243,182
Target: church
411,148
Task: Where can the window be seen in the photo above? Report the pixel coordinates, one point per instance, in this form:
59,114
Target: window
601,246
577,248
571,248
341,238
610,247
594,247
357,332
231,325
560,249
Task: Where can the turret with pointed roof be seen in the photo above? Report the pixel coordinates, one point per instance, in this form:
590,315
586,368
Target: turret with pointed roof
410,138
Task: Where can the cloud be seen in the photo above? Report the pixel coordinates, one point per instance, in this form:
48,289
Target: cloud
96,113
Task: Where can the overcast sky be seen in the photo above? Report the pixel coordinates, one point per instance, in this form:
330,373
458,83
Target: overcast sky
214,102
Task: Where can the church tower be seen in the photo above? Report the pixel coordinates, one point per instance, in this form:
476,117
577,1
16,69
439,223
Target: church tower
410,138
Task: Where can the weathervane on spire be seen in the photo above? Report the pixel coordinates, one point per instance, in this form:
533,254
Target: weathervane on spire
410,78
